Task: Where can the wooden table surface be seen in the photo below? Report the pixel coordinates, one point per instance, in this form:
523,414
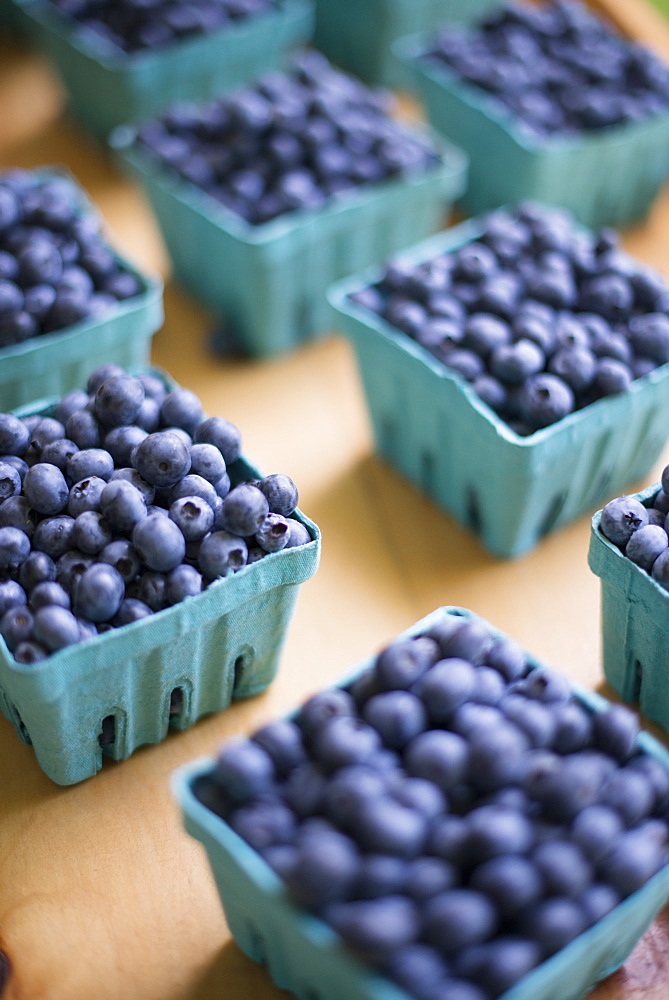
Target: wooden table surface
102,894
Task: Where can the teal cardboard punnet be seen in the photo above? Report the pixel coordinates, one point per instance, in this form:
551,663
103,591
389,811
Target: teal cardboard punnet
270,281
304,955
54,363
431,426
359,34
507,164
107,87
635,624
221,645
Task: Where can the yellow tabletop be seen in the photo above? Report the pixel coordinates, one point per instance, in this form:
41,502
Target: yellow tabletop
102,894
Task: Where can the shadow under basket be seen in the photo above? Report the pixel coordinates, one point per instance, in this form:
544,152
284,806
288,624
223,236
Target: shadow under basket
605,177
431,426
304,955
269,282
107,86
635,624
131,685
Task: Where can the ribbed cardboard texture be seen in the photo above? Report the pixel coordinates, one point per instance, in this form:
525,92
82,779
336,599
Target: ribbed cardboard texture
359,34
431,426
269,282
221,645
508,165
107,87
635,624
302,953
54,363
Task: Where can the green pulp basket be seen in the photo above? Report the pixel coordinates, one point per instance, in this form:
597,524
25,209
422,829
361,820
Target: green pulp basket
54,363
221,645
107,87
359,34
431,426
635,624
605,178
270,281
304,955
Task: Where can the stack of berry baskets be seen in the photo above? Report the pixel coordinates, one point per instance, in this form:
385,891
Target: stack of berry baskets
149,572
540,96
266,196
121,63
629,551
515,368
68,302
454,820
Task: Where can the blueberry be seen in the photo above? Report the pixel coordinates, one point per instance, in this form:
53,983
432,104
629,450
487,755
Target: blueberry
38,567
416,968
576,366
16,626
496,757
344,740
438,756
85,495
99,592
645,545
510,880
265,823
182,582
151,589
222,434
49,592
459,918
181,408
45,488
162,459
398,717
10,481
630,794
59,453
29,652
281,493
649,336
514,363
376,928
562,867
282,740
207,462
634,858
83,428
159,542
14,435
55,627
273,534
244,770
446,686
543,399
319,708
91,532
616,731
89,462
120,442
621,517
191,486
611,377
132,476
221,553
194,517
12,595
245,509
553,923
122,505
131,610
485,333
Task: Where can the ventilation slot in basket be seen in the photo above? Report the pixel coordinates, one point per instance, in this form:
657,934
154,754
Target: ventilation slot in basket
176,704
637,679
473,511
427,471
256,944
23,732
107,736
553,513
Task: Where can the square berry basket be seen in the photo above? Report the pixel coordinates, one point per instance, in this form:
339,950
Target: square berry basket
304,954
160,673
431,426
269,281
635,623
508,163
107,86
52,364
359,34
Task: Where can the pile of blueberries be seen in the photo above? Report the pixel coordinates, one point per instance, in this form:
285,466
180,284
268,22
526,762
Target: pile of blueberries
556,68
294,140
55,265
120,504
136,25
642,532
541,317
455,814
